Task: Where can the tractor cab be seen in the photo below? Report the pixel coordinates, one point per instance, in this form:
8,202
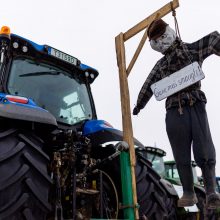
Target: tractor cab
53,80
171,173
155,156
43,85
217,178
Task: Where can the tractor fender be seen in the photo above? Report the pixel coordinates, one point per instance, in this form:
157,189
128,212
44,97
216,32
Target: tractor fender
100,132
168,187
21,112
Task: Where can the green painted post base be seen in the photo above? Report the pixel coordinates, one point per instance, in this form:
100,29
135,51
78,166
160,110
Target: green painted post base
126,180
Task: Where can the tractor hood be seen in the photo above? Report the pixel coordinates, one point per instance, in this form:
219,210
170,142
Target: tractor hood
22,108
100,132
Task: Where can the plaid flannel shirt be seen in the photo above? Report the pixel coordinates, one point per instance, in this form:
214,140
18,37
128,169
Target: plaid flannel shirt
179,55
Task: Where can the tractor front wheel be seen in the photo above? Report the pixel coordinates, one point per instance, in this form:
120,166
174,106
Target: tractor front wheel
24,182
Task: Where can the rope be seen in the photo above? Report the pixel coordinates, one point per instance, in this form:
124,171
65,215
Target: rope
175,20
186,51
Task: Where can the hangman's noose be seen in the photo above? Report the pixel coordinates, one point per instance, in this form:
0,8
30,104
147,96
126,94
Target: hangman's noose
175,20
185,49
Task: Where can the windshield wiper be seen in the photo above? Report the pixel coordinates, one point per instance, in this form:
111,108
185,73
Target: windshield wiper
40,73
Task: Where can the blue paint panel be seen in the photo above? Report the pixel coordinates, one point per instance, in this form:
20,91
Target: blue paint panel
41,48
36,46
85,67
30,104
49,50
93,126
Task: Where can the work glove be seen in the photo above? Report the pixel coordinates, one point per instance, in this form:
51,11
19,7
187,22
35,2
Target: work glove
136,110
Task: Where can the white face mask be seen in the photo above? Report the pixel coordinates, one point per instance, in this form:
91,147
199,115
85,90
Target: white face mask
162,43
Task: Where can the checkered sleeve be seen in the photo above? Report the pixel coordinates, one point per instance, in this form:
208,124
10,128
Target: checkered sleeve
214,47
208,45
145,93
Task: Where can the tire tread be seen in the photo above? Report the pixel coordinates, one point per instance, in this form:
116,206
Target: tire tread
24,188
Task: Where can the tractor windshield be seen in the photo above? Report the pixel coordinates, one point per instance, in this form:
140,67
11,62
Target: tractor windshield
157,163
60,92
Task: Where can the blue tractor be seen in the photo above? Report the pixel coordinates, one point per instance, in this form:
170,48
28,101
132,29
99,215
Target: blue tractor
57,160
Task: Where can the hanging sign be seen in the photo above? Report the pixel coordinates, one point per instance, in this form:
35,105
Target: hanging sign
177,81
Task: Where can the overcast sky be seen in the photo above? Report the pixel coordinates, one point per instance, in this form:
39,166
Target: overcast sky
87,29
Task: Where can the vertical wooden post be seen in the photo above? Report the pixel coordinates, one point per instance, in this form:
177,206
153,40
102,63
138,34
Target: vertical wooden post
126,113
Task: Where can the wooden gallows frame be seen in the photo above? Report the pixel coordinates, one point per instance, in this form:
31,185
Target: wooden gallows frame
124,89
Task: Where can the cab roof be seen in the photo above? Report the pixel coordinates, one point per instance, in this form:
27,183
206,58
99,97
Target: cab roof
49,52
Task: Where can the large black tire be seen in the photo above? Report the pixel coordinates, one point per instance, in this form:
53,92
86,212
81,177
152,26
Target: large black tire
24,182
155,203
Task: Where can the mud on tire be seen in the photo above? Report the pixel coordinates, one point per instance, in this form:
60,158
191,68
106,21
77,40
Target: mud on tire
24,182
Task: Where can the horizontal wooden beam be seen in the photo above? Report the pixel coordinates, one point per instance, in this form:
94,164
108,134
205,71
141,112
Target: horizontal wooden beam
145,23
